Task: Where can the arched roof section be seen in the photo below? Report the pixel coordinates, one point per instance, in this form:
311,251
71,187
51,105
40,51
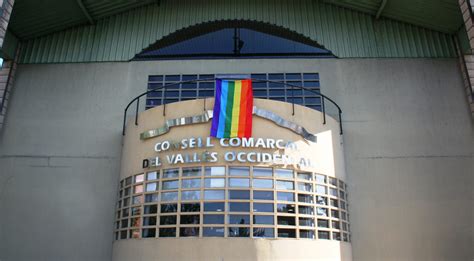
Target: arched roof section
345,32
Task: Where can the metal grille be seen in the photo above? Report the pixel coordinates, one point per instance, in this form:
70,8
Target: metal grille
261,89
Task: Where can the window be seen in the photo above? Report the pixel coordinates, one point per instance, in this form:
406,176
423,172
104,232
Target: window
321,189
305,210
167,232
213,219
151,197
214,206
214,194
307,222
152,175
169,208
307,234
239,207
192,172
139,178
239,183
305,198
263,232
191,195
149,221
286,233
286,208
151,209
323,223
320,178
262,207
172,184
239,232
148,232
189,231
239,194
239,171
215,171
214,183
169,196
302,186
151,187
170,173
284,173
168,220
305,175
189,219
262,195
239,219
263,183
190,183
262,172
213,232
191,207
286,196
285,185
287,221
263,220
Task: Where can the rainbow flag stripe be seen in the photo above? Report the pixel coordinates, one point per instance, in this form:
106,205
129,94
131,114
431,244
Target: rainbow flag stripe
233,109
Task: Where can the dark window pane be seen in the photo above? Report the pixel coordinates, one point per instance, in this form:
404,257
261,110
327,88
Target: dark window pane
191,207
155,78
288,233
172,78
189,219
213,232
307,222
305,198
305,210
167,232
287,221
262,207
189,232
323,223
149,221
263,220
307,234
263,195
214,206
286,208
263,232
151,209
148,232
239,232
239,219
213,219
169,208
239,194
167,220
239,207
323,234
189,77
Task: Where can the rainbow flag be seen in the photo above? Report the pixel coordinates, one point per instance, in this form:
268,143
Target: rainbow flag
233,107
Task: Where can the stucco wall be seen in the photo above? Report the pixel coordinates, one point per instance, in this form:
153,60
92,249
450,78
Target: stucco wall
408,150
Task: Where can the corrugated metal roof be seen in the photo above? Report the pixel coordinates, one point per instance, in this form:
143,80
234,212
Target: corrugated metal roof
345,32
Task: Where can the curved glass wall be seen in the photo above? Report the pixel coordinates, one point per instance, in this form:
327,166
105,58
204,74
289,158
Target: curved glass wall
232,201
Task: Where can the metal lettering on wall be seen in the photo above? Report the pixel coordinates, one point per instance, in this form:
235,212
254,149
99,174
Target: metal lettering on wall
207,116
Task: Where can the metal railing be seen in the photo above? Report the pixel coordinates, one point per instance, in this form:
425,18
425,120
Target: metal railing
293,87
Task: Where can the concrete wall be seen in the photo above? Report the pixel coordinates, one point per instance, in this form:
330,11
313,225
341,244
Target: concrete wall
408,150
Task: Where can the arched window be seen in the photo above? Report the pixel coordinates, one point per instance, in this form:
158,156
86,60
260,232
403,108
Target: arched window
235,39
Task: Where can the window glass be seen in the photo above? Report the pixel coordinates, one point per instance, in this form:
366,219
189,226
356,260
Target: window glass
335,225
150,209
138,189
213,231
167,220
333,192
322,212
148,232
333,202
263,220
189,232
125,212
214,183
263,183
192,172
137,200
286,208
128,181
171,184
321,189
262,195
323,223
287,221
239,194
213,219
239,232
151,186
285,185
239,206
214,194
336,236
149,221
190,183
191,207
151,197
320,178
191,195
214,206
262,207
284,173
307,222
262,172
303,186
137,211
168,232
169,208
334,213
239,219
322,200
215,171
139,178
169,196
263,232
307,234
152,175
239,183
239,171
305,210
286,196
126,201
170,173
189,219
305,198
305,175
286,233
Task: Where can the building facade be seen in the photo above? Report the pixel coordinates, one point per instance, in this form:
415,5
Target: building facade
389,178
